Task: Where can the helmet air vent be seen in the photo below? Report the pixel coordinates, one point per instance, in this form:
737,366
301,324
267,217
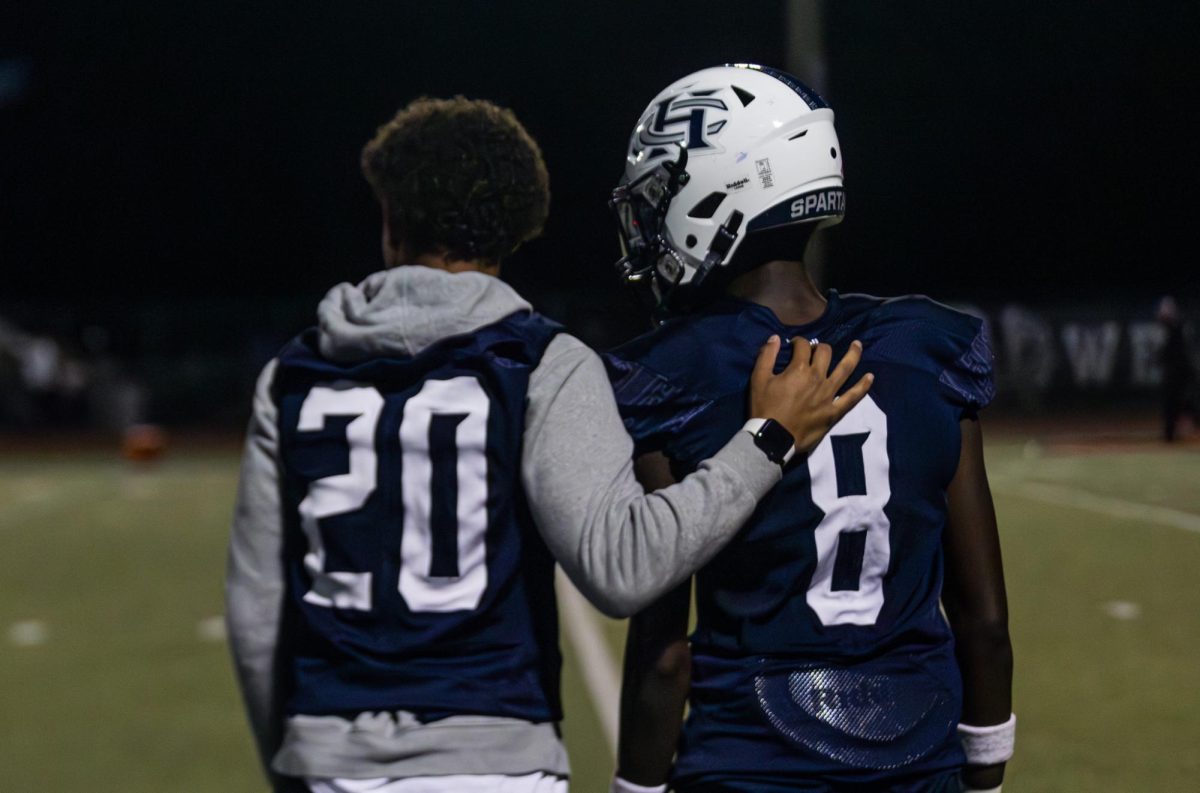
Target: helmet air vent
743,95
799,134
707,206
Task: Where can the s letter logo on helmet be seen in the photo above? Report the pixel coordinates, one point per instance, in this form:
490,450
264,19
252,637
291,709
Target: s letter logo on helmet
692,118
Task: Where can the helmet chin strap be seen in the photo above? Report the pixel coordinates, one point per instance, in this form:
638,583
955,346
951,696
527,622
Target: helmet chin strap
718,249
669,269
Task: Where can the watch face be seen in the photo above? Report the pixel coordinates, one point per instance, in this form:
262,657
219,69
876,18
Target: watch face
773,439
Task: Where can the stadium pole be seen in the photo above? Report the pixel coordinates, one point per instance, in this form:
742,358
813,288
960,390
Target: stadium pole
805,58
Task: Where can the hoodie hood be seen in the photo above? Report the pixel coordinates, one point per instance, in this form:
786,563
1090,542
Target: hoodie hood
403,310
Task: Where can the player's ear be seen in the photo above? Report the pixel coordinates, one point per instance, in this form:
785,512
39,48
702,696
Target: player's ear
393,249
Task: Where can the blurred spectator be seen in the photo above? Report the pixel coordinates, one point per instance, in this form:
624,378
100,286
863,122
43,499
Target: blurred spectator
45,382
16,405
1179,397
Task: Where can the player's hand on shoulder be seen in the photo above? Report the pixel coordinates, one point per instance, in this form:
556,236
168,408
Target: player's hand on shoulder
804,396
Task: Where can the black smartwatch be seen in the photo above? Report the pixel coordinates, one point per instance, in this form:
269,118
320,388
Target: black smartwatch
770,436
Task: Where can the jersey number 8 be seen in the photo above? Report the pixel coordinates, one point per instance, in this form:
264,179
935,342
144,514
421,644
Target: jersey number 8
849,473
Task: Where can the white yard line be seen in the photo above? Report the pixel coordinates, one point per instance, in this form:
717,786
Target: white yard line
28,633
600,673
211,629
34,495
1062,495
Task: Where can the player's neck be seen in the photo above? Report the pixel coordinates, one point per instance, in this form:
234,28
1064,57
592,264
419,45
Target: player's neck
440,261
783,287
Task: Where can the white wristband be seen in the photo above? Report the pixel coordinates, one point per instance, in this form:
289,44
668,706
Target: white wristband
625,786
988,745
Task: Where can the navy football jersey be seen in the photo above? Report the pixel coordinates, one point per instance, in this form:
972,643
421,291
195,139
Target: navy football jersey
820,648
416,578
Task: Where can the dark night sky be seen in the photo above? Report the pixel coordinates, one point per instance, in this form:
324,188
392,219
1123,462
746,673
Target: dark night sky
164,151
1037,150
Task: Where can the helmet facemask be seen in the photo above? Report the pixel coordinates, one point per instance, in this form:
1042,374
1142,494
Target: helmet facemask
639,208
648,257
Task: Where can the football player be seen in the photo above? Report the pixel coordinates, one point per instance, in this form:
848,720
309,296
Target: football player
820,659
417,462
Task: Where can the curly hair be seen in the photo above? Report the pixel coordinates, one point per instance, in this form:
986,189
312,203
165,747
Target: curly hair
458,177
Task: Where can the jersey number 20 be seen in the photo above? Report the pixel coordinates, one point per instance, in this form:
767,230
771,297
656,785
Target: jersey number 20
443,441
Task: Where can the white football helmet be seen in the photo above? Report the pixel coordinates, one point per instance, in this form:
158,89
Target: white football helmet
720,154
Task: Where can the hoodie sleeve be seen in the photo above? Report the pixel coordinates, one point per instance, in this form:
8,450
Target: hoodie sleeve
621,547
254,574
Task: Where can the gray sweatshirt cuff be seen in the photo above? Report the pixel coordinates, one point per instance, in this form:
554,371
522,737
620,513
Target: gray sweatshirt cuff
751,463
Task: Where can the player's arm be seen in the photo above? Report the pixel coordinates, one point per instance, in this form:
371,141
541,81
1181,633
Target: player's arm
657,673
622,547
254,576
977,608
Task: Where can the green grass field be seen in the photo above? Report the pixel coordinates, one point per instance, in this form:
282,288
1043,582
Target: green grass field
112,677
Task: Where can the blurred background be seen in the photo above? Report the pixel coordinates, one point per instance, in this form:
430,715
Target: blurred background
179,186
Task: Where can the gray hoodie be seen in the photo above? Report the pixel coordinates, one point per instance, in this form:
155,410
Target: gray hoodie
621,547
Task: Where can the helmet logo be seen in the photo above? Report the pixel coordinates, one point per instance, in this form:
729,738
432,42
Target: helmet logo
686,119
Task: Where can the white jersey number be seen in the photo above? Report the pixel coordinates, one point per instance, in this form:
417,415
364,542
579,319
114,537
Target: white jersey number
443,442
849,472
442,553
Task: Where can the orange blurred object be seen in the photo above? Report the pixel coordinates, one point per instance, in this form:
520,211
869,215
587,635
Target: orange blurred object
143,442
